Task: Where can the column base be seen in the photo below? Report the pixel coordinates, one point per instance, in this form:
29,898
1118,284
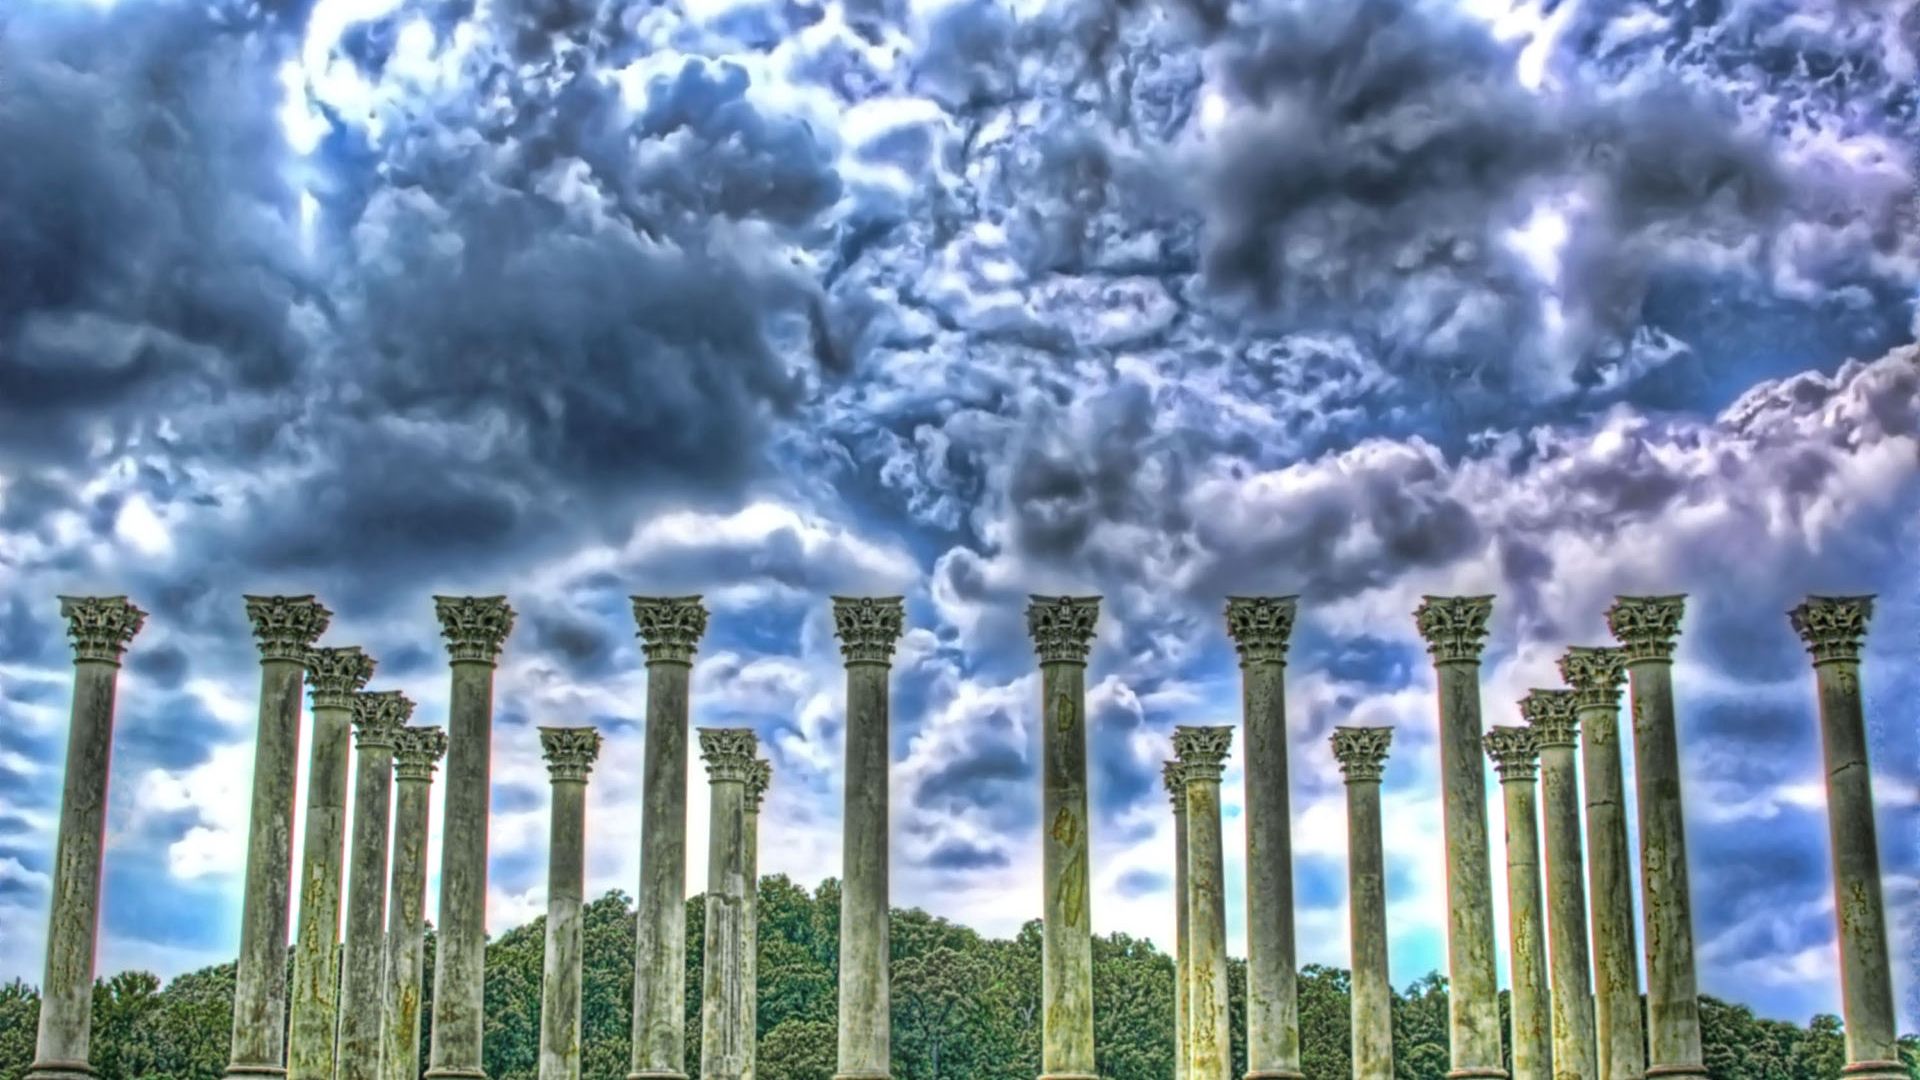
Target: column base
1875,1070
1483,1072
60,1070
1068,1076
243,1072
656,1074
455,1072
1276,1074
863,1076
1683,1070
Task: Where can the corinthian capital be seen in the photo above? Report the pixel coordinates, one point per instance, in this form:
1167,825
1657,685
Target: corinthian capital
1645,626
1361,752
728,752
1596,674
1174,775
670,627
100,627
1202,751
1455,627
475,626
1514,750
758,781
1062,627
285,627
378,717
1261,627
570,751
868,627
1832,626
416,750
336,675
1553,715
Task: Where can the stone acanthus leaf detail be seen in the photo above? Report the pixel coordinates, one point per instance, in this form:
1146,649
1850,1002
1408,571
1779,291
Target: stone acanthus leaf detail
1202,751
337,674
378,717
1515,752
100,627
417,750
1361,751
728,752
1833,626
868,627
570,751
670,627
1173,774
1646,626
1454,627
1261,627
476,627
1553,715
1596,674
285,627
758,781
1062,627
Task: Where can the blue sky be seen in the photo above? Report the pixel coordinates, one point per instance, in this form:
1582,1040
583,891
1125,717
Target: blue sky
964,299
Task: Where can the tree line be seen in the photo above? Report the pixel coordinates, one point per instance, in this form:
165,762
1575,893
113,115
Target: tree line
965,1007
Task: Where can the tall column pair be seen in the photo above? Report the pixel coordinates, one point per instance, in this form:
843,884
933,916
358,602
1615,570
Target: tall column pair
737,782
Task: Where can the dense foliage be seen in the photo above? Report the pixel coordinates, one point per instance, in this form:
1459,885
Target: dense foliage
965,1007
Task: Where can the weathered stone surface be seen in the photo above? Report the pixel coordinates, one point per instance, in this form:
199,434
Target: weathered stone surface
1554,717
1261,627
868,629
1062,631
1596,675
1201,753
417,752
285,628
1833,628
1176,784
570,754
334,677
729,754
377,721
1455,629
1646,627
757,784
670,628
1362,754
1516,756
475,629
99,628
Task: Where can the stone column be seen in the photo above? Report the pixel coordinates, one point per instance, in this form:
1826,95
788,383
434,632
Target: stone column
475,628
868,629
1261,626
728,753
417,750
1554,719
670,628
1176,783
1062,632
1362,754
99,628
1202,753
570,753
1595,674
1516,756
285,628
757,784
377,721
334,677
1646,626
1832,627
1455,628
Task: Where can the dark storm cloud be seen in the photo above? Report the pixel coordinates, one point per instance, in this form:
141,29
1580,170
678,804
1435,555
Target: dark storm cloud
960,855
165,665
1137,882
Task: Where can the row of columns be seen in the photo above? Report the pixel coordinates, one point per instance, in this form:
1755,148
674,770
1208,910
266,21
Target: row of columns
377,1034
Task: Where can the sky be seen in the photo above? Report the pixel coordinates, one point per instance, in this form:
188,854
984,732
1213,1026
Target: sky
964,300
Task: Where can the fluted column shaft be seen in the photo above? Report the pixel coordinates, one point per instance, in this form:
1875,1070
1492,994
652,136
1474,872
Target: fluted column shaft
1362,754
475,628
1201,751
1062,630
417,752
1596,675
335,676
377,720
1553,717
99,628
1182,917
757,784
1645,628
1455,628
570,753
1833,627
669,628
729,756
868,628
284,627
1261,628
1516,757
